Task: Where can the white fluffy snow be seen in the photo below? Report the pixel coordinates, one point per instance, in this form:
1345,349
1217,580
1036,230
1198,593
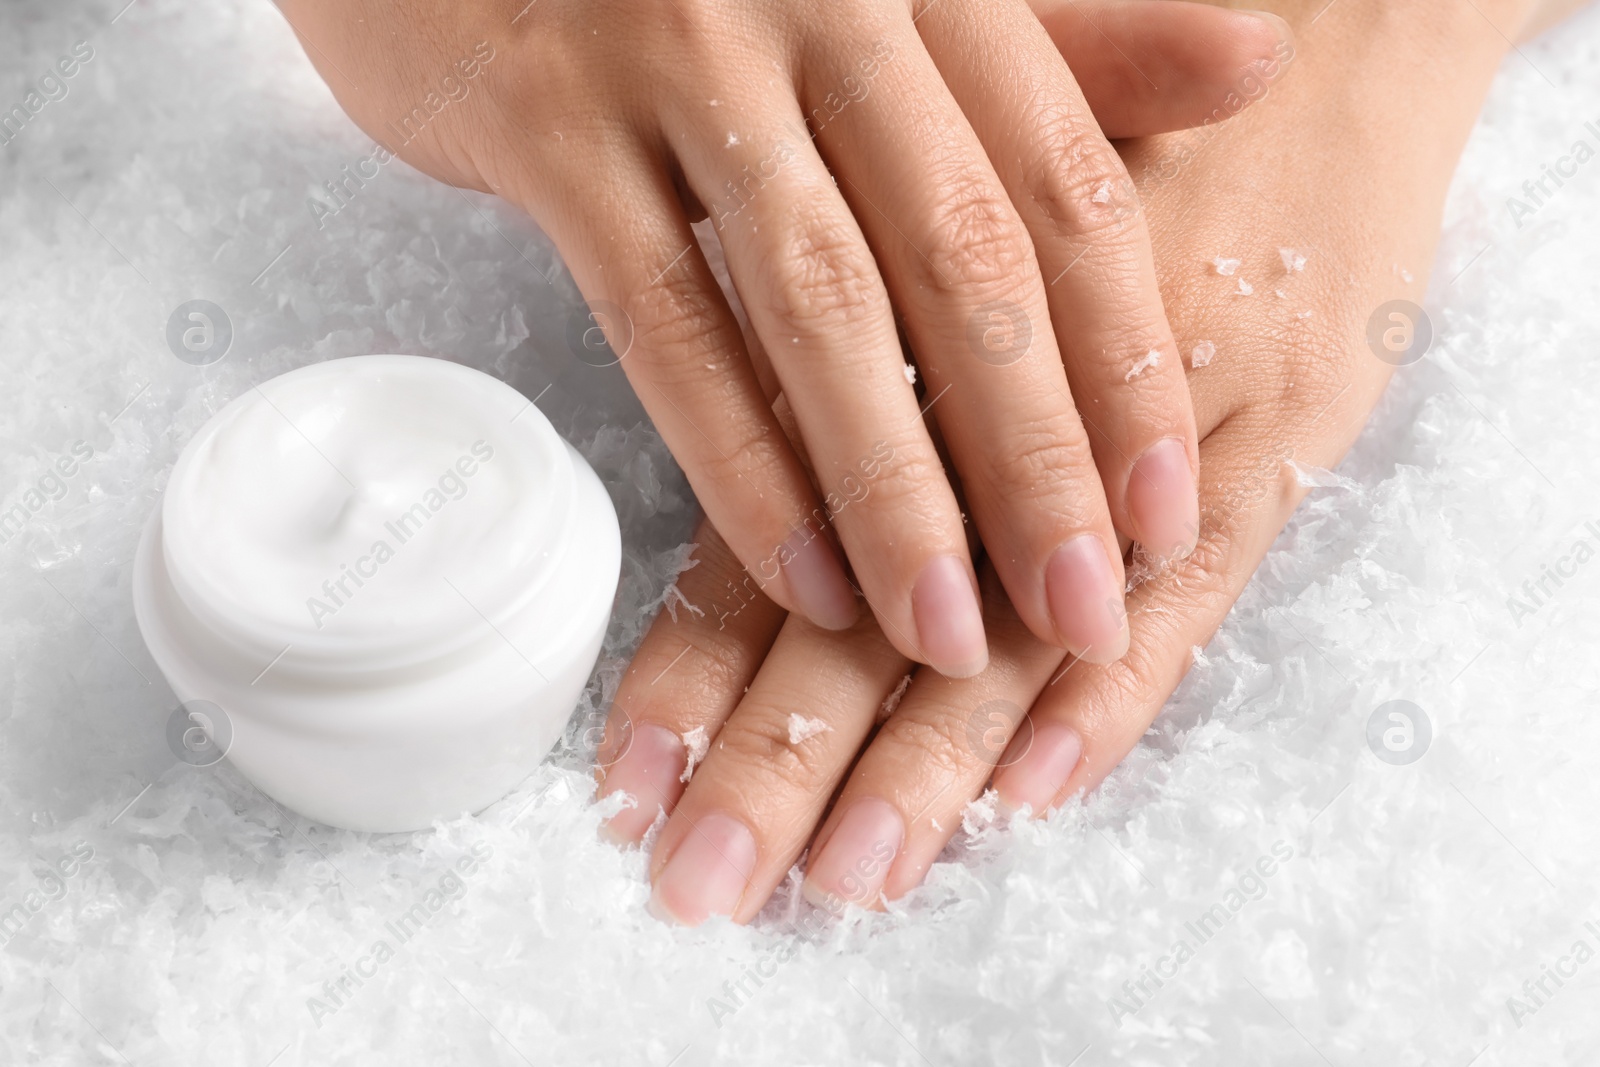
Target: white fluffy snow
170,914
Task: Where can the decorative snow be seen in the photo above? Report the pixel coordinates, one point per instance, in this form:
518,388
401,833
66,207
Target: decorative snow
1202,354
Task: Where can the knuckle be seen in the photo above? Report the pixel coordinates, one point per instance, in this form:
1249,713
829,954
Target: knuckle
687,347
723,665
1076,178
938,743
676,318
754,452
977,243
821,276
730,454
748,456
654,688
1118,687
1043,461
759,746
909,486
1135,376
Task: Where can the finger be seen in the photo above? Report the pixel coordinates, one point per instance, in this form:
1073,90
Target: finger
811,287
752,806
1083,215
1086,722
634,256
1148,68
687,676
961,268
928,761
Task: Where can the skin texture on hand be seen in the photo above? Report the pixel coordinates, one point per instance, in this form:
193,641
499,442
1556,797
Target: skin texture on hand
1329,195
869,165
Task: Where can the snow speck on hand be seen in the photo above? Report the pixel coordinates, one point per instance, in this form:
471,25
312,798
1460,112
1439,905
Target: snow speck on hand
1293,261
892,701
802,729
1102,194
1225,266
1202,354
696,744
1151,359
1245,288
910,371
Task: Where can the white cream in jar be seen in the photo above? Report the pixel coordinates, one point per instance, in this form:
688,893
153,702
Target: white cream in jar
391,575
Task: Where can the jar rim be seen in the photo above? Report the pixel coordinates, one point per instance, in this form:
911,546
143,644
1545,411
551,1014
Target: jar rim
407,622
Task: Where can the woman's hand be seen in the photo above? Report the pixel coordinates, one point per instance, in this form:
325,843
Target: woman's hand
1328,169
859,158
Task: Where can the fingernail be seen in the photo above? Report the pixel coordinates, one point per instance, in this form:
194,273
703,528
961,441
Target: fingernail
1035,776
1279,24
708,873
1085,600
855,862
1162,500
949,619
648,771
815,576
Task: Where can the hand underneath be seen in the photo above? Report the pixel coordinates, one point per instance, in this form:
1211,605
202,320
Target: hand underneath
1327,169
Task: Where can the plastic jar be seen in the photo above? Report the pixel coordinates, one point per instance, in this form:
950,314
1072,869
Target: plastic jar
391,576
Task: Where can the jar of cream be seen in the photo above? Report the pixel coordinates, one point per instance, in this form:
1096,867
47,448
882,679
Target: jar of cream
391,576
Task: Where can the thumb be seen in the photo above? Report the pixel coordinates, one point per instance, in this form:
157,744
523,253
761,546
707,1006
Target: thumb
1148,67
